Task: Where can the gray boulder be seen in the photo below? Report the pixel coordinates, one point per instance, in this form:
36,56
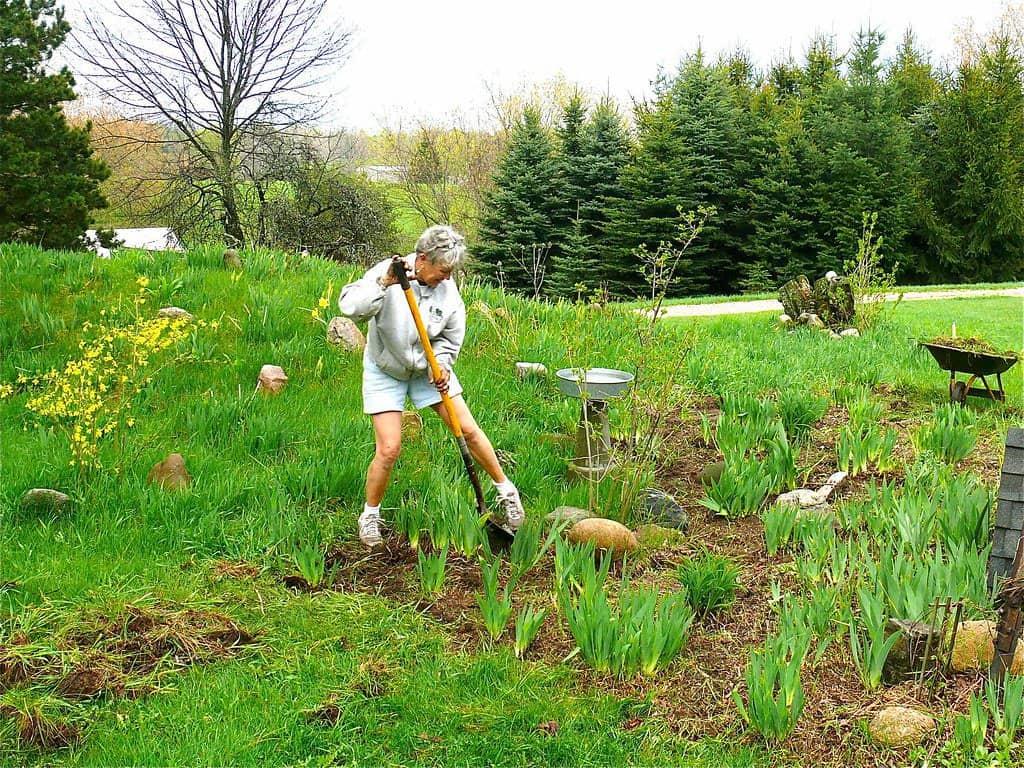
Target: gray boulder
45,500
568,515
660,508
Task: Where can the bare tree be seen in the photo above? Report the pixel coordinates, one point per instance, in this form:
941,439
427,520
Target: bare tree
220,74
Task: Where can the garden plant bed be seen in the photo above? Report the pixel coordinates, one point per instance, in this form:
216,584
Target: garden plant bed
153,592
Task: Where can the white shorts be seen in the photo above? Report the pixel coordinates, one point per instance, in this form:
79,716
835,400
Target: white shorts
383,392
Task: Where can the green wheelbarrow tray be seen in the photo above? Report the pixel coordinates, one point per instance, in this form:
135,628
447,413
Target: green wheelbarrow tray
976,365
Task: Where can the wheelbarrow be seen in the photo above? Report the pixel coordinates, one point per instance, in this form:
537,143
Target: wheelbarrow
977,366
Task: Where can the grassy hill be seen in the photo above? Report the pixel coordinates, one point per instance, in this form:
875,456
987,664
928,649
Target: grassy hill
176,603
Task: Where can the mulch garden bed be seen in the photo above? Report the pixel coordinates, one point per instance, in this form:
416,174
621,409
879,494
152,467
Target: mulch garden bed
693,697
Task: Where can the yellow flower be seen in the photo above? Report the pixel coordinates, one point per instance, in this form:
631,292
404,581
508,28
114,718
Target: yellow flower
143,281
323,302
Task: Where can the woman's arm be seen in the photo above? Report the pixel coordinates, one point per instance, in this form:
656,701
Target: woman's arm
363,299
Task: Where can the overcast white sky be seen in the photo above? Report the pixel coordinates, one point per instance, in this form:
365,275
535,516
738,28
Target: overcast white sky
426,59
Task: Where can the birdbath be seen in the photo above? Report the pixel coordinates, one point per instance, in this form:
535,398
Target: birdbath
595,387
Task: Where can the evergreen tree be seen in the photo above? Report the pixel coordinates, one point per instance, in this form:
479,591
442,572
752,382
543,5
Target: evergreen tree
974,170
522,211
695,149
49,180
603,152
568,242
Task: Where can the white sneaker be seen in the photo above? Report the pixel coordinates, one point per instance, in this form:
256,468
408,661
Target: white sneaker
511,509
369,529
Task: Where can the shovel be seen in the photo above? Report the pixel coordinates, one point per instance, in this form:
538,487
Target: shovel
499,536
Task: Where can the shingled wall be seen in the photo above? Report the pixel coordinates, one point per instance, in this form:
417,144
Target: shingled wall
1010,508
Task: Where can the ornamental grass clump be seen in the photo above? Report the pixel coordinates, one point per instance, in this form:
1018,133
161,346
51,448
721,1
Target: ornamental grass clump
496,609
528,623
950,436
869,644
430,569
635,634
311,562
775,694
528,547
779,522
710,582
92,395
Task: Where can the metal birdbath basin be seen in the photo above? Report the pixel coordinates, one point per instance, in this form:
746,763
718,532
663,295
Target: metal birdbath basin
592,458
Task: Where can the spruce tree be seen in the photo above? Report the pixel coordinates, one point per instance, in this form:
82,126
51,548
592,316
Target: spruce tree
521,213
49,180
974,169
595,182
694,150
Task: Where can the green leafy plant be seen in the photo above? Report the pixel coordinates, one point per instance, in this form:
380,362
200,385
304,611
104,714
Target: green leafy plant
310,560
528,548
431,569
970,730
571,562
775,695
1007,716
779,521
496,610
799,411
528,623
739,491
869,645
710,582
950,436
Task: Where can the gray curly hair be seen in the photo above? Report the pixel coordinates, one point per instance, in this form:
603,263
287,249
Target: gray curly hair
443,246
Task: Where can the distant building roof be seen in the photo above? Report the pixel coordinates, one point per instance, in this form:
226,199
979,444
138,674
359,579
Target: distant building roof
145,238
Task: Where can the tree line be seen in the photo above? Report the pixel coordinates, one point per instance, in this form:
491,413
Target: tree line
791,160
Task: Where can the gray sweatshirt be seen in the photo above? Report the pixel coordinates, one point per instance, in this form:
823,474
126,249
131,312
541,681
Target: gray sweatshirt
392,342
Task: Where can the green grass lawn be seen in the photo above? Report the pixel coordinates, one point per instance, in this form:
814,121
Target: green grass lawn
270,471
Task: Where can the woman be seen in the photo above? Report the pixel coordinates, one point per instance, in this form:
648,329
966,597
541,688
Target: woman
395,365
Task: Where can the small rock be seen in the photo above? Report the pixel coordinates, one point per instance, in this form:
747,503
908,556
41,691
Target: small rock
412,425
45,500
230,259
834,335
904,660
813,321
170,474
272,379
568,515
712,473
803,317
801,497
607,535
837,479
174,313
852,332
785,320
531,370
660,507
900,727
343,331
974,648
651,537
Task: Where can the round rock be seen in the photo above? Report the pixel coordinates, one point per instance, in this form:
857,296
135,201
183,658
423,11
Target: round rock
974,648
606,535
170,474
343,331
45,500
900,727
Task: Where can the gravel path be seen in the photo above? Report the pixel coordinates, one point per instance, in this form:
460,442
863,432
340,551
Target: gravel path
770,305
